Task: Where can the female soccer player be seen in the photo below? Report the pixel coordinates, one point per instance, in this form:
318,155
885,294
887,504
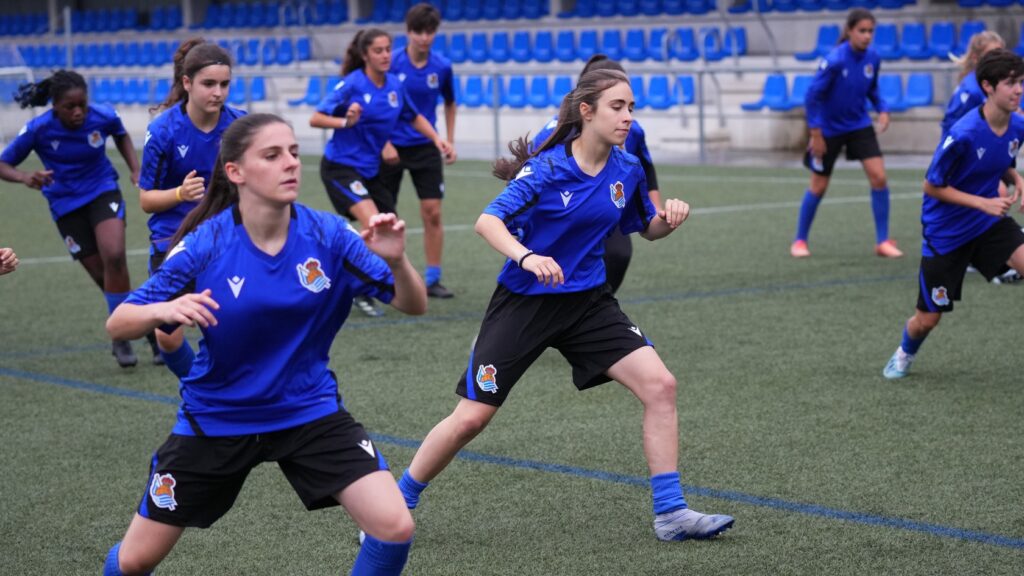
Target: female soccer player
8,261
618,248
177,159
426,76
79,181
963,215
269,282
565,198
364,109
837,118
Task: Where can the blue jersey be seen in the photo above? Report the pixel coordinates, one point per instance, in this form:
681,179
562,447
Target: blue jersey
635,144
359,146
78,158
422,86
263,367
561,212
173,148
967,96
836,101
971,159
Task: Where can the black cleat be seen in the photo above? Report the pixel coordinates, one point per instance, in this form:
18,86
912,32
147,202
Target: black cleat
437,290
367,306
122,351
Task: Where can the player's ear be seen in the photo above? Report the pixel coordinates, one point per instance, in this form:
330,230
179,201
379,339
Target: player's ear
234,172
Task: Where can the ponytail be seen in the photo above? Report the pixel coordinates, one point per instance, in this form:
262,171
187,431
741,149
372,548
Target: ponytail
49,89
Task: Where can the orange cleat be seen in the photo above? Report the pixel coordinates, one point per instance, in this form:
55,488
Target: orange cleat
888,249
799,249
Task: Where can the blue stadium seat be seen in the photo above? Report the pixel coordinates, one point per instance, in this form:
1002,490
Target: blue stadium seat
797,95
471,10
1001,3
635,49
103,93
539,95
785,5
942,39
970,3
565,46
500,51
628,7
453,11
810,5
399,42
605,8
561,87
514,94
828,37
491,11
919,90
134,93
269,51
458,50
236,95
173,17
303,49
337,11
650,7
521,51
1020,43
587,46
312,95
774,93
473,94
251,52
162,90
673,7
397,10
258,89
915,43
147,54
892,4
285,52
735,41
493,92
659,96
611,43
585,9
478,50
511,9
712,44
890,89
81,57
639,94
968,29
165,52
440,45
656,48
685,91
836,5
534,9
94,53
118,53
543,46
28,55
699,6
886,42
683,45
214,15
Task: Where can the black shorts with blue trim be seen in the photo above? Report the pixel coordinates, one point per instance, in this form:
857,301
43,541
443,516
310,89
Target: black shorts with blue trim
346,186
78,227
425,166
588,328
860,145
941,278
194,480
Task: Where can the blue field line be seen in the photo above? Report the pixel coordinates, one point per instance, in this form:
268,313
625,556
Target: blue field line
600,475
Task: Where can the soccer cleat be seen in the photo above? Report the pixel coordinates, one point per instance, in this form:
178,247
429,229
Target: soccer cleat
899,365
366,305
799,249
123,353
1011,276
686,524
158,360
437,290
888,249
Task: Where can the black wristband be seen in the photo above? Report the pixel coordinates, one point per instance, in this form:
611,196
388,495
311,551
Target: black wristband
523,257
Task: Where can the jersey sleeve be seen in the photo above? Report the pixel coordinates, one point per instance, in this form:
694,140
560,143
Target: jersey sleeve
637,215
819,90
20,147
337,102
448,85
175,276
115,126
946,159
519,196
154,159
372,274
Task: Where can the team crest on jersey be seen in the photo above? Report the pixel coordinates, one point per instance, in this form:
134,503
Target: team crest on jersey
1014,148
54,144
940,296
161,491
487,378
312,276
73,247
432,80
182,150
393,99
618,195
95,139
357,188
869,70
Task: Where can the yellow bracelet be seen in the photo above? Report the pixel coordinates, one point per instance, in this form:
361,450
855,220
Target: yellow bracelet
177,194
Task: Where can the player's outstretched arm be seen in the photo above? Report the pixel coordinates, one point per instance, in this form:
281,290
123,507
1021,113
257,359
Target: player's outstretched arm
668,219
130,321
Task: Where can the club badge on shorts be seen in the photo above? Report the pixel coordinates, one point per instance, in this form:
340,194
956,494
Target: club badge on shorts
312,277
161,491
940,296
487,378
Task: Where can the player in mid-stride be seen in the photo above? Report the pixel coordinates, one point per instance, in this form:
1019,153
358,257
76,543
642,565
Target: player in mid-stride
964,217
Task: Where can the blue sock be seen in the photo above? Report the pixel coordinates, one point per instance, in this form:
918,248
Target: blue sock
433,275
667,492
411,489
180,361
909,345
880,209
808,208
383,558
114,300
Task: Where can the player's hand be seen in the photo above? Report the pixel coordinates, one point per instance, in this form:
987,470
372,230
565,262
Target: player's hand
817,145
675,213
39,178
190,310
883,122
446,150
385,237
389,154
352,115
452,155
8,261
1018,193
997,206
193,187
547,271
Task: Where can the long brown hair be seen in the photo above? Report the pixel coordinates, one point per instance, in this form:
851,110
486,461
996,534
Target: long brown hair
570,122
191,56
852,19
354,55
223,193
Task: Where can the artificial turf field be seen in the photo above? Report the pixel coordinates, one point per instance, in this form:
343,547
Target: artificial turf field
786,421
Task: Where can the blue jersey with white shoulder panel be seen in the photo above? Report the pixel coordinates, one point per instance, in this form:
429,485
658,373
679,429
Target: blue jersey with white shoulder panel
561,212
422,86
635,144
971,159
173,148
78,158
967,96
836,101
359,146
264,366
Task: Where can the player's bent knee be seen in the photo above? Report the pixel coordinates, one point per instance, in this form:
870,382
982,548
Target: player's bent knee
398,529
661,388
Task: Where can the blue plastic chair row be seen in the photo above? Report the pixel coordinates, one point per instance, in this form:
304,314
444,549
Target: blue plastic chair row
272,14
915,44
317,88
658,92
269,51
460,10
994,3
775,95
251,52
24,24
815,5
112,20
610,8
128,91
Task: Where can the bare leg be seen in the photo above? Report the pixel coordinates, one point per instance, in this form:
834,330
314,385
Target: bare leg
146,544
376,505
448,437
110,242
433,230
363,211
646,376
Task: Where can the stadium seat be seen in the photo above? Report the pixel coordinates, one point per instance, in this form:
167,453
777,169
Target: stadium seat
650,7
521,51
919,90
543,46
659,97
673,7
258,89
967,30
471,10
605,8
656,48
493,91
453,11
585,9
165,52
303,49
942,39
511,9
774,93
337,11
797,95
236,95
162,90
635,50
500,51
478,47
735,41
785,6
565,46
514,93
711,42
1001,3
639,94
836,5
611,43
473,94
103,93
587,46
915,45
269,52
251,54
970,3
285,53
685,91
440,45
458,50
399,42
828,37
539,95
810,5
491,11
561,87
699,6
890,88
80,55
683,45
137,91
312,95
1020,43
886,43
534,9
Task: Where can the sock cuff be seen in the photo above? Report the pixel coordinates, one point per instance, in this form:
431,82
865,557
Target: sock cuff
407,477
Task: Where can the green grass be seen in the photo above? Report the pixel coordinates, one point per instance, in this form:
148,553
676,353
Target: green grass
781,397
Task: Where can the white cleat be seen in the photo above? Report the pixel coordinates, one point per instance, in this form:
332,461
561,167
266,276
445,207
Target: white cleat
686,524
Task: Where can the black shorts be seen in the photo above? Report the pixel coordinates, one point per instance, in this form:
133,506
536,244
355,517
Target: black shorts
588,328
941,277
78,228
194,480
860,145
345,187
424,165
